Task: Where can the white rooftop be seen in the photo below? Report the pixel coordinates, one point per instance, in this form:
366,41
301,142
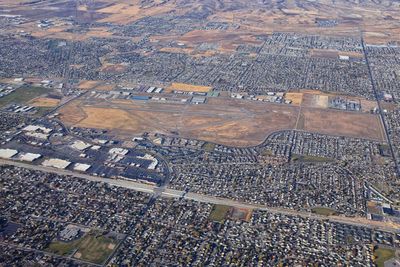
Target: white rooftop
119,151
56,163
34,128
80,145
29,156
81,167
7,153
37,135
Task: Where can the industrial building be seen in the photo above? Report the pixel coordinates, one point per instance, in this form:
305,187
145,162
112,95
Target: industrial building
56,163
81,167
7,153
140,97
198,100
154,161
80,145
30,157
118,151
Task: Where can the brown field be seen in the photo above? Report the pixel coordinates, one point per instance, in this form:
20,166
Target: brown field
221,120
296,98
95,85
113,68
44,102
326,53
87,85
318,99
188,88
224,121
241,214
124,13
354,124
315,100
228,40
379,21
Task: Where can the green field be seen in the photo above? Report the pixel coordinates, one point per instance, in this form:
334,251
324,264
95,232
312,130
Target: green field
95,248
309,158
382,255
92,247
219,213
64,248
42,110
323,211
209,147
23,95
267,152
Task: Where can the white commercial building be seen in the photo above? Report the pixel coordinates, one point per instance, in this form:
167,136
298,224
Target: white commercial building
7,153
80,145
56,163
29,157
81,167
118,151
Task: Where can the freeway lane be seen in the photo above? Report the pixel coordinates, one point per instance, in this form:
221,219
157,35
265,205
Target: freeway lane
171,193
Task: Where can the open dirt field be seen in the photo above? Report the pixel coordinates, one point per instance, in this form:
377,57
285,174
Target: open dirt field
124,13
95,85
354,124
326,53
188,88
221,120
227,40
379,21
296,98
315,100
86,85
225,121
44,102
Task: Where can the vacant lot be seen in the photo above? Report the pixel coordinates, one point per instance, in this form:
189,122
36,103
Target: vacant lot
354,124
219,213
309,158
296,98
241,214
323,211
188,88
45,102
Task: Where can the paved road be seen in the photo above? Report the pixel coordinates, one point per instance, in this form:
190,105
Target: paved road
171,193
117,182
381,114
